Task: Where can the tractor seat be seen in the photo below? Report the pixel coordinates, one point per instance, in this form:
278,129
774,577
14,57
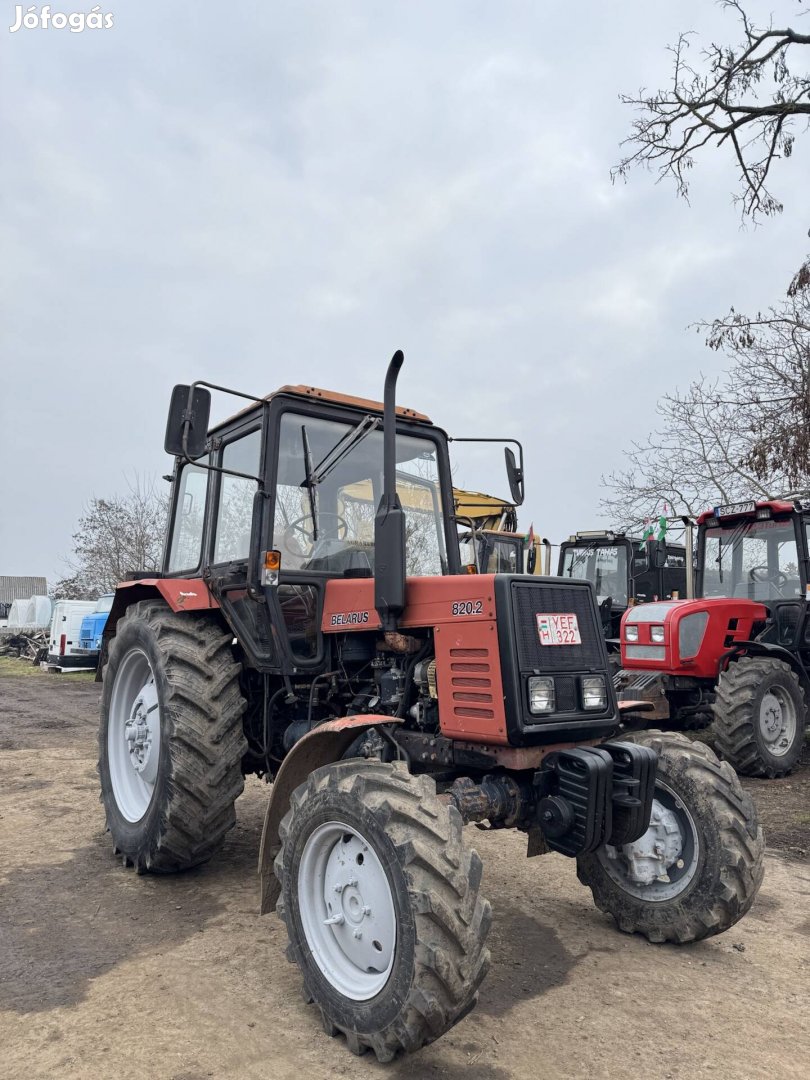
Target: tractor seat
334,557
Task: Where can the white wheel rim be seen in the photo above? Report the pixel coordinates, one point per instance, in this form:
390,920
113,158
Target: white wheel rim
347,910
777,721
133,735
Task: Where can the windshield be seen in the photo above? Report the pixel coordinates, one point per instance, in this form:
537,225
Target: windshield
754,559
603,564
326,502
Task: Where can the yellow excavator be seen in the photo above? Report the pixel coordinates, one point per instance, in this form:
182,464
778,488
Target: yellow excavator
489,538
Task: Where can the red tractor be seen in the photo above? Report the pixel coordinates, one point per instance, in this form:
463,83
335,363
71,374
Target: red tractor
736,654
341,652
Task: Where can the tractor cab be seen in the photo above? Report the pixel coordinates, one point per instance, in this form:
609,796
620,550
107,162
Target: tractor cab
757,551
296,480
624,570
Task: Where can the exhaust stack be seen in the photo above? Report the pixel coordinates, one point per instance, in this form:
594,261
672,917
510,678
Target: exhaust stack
389,521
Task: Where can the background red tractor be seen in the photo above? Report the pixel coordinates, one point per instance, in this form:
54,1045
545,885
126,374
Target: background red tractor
737,654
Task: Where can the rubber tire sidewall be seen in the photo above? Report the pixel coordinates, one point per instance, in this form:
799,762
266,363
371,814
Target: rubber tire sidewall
376,1013
136,838
787,681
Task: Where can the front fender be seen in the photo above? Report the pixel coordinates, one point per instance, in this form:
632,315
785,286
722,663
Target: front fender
325,744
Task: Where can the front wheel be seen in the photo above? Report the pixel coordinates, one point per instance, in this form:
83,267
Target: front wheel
381,904
698,868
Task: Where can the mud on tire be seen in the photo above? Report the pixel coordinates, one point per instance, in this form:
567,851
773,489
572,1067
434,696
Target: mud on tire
728,856
738,729
199,773
441,921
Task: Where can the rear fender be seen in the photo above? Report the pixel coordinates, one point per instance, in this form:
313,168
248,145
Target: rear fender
772,652
181,594
325,744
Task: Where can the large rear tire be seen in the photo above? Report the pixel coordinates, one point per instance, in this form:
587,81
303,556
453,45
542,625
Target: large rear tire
698,868
381,904
171,739
760,717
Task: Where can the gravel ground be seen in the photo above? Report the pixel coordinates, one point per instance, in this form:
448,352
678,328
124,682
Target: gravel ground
105,974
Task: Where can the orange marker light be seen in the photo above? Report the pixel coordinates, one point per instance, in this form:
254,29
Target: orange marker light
271,567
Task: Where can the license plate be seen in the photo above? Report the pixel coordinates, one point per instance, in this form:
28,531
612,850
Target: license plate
558,630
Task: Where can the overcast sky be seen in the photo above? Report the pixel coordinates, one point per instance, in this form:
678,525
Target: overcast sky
261,194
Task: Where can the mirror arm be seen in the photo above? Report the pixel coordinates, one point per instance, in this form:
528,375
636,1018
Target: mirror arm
189,416
514,442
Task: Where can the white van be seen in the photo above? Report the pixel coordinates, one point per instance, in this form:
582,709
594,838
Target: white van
63,642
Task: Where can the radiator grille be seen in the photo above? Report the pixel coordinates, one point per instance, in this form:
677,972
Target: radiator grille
530,599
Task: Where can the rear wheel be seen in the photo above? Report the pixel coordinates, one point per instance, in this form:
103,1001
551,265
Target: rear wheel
698,868
381,904
760,716
171,739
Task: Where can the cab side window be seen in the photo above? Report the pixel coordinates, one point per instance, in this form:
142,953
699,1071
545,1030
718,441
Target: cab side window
235,509
189,519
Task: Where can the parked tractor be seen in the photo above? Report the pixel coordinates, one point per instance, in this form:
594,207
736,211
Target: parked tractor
340,651
489,537
737,655
624,571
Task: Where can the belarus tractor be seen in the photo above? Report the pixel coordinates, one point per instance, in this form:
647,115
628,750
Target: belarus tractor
625,571
737,655
341,652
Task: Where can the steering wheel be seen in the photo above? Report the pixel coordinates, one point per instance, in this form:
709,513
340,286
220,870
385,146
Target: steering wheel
297,529
772,577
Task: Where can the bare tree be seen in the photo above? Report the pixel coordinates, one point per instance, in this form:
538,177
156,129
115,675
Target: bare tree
693,459
114,537
770,385
744,435
746,97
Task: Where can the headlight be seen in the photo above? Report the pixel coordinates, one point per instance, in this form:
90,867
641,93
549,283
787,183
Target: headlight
631,632
541,695
594,692
657,634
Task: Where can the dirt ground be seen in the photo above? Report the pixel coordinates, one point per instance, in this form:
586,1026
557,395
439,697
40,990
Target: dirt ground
105,974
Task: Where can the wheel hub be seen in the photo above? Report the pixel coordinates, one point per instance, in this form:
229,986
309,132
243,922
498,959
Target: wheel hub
140,734
653,855
772,718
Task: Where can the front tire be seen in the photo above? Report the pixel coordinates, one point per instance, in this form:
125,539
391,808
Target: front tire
698,868
171,739
759,717
381,904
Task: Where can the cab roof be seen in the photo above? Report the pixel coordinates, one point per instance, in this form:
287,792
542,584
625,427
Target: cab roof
747,508
314,393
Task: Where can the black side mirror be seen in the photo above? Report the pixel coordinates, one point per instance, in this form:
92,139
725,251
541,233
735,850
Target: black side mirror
531,560
658,552
187,426
515,475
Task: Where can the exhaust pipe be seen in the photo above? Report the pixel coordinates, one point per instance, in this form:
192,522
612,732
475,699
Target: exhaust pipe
389,521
